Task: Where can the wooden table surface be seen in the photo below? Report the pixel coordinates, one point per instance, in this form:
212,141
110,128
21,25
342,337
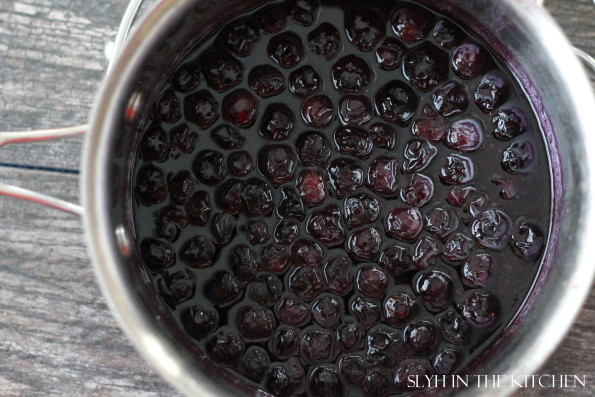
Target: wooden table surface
57,336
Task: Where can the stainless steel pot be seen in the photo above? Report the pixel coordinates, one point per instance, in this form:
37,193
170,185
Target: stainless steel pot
519,31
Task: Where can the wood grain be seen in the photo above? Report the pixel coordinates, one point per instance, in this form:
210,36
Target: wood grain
57,336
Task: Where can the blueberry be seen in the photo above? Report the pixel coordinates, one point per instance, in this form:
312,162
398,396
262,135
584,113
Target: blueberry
491,92
277,122
383,346
354,141
154,144
151,186
421,336
200,320
418,155
292,311
345,177
284,342
450,99
242,262
325,226
221,70
254,363
228,137
304,82
266,80
167,108
396,102
435,288
277,163
365,28
469,60
327,311
492,229
417,190
361,210
198,252
430,125
478,270
306,282
209,167
411,24
240,108
350,336
480,307
404,223
223,289
351,74
286,49
255,323
225,347
399,308
527,240
337,275
176,287
390,54
364,244
313,149
157,255
318,111
325,382
239,37
198,209
426,66
325,41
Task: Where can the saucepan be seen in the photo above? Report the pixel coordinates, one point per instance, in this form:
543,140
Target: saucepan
519,31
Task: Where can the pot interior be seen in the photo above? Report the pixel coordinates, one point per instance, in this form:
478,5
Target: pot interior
524,44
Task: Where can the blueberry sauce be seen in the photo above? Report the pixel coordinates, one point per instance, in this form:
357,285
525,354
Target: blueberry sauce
329,199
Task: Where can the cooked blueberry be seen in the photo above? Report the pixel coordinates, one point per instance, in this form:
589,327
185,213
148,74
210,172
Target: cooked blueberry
509,122
351,74
254,363
337,275
396,102
418,155
228,137
459,195
371,281
457,170
446,361
306,282
306,253
364,244
325,41
290,205
399,308
350,336
187,78
242,262
200,320
446,34
430,125
313,149
239,37
223,288
271,19
412,368
209,167
169,223
435,288
390,54
353,141
222,71
325,225
457,247
198,209
311,187
441,222
277,163
353,368
239,163
255,323
318,111
491,92
277,122
151,186
450,99
383,176
157,255
176,287
201,109
240,108
527,240
228,196
411,24
257,197
383,135
266,290
318,346
454,328
426,66
383,346
404,223
361,210
257,232
480,308
167,108
304,81
266,80
465,135
154,144
375,384
284,342
469,60
345,177
492,229
477,271
367,310
418,190
275,258
290,310
396,259
421,336
286,49
198,252
305,12
285,231
325,382
223,228
425,253
365,28
225,347
182,139
327,311
518,157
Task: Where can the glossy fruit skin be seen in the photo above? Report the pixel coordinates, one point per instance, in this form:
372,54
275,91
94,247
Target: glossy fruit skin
469,60
404,223
266,81
411,24
365,28
240,108
318,111
351,74
426,66
286,49
396,102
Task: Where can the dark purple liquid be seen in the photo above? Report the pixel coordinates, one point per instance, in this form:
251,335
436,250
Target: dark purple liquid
329,200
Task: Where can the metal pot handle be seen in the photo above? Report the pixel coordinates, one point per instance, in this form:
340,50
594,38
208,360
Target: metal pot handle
31,136
8,137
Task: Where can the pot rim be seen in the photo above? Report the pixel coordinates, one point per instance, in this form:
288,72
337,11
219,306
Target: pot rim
104,243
